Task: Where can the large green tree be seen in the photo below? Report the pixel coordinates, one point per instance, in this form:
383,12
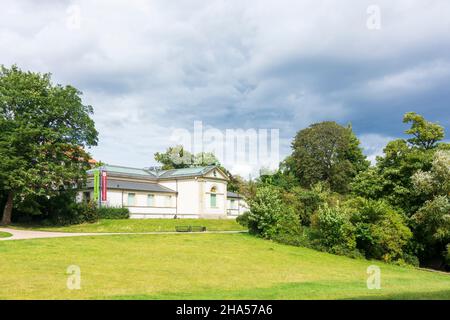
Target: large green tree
327,152
44,130
425,134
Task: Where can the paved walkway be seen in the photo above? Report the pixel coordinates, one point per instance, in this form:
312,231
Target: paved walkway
30,234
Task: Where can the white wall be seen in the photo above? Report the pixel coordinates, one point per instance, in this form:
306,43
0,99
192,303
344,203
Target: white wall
188,196
193,200
221,199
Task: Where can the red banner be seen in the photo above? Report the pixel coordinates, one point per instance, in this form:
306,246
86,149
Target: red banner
104,186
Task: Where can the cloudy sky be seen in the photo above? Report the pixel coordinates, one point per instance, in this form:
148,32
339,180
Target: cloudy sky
149,67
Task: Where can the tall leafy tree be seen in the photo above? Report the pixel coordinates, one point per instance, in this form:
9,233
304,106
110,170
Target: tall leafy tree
44,130
425,134
328,152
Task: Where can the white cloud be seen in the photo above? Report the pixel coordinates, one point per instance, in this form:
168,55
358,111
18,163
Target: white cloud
373,145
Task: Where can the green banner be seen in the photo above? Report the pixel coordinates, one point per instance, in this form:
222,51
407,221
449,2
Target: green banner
96,185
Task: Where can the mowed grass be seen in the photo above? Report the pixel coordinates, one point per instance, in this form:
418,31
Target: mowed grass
140,225
5,234
199,266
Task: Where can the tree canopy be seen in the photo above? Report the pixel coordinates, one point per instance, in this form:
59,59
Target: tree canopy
425,134
45,129
327,152
177,158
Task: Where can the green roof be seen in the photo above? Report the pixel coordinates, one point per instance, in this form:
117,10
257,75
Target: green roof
184,172
174,173
125,171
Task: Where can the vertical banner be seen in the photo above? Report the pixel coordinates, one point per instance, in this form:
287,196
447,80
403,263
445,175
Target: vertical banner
96,186
104,186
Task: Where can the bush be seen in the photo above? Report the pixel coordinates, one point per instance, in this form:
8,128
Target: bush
60,209
333,232
288,229
75,213
381,232
432,228
113,213
243,219
305,203
266,208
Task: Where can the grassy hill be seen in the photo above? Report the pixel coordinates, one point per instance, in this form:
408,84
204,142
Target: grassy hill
140,225
199,266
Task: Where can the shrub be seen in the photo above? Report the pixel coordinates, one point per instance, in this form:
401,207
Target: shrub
288,229
60,209
243,219
432,227
305,203
294,235
113,213
381,232
266,207
332,231
76,213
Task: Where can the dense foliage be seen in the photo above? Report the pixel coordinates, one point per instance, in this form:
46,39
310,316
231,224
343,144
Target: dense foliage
63,209
397,210
333,231
327,152
58,209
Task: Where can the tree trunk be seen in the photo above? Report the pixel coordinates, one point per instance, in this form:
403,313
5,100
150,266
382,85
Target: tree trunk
7,212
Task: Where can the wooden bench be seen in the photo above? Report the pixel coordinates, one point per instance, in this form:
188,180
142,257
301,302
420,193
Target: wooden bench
190,229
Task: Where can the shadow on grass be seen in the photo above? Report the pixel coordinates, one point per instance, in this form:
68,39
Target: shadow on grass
297,291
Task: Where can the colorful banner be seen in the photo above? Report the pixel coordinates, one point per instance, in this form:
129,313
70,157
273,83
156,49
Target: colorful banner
104,186
96,196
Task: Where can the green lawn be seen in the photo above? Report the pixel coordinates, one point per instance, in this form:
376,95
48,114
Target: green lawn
142,225
198,266
5,234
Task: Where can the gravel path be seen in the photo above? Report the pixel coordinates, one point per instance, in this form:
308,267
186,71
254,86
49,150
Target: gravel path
29,234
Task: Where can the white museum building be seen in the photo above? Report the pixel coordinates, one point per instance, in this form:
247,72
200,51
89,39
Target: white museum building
199,192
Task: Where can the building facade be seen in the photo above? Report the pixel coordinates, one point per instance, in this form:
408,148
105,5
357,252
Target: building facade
179,193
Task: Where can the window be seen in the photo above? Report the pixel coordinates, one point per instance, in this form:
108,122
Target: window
213,200
150,200
233,204
168,201
213,197
131,199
